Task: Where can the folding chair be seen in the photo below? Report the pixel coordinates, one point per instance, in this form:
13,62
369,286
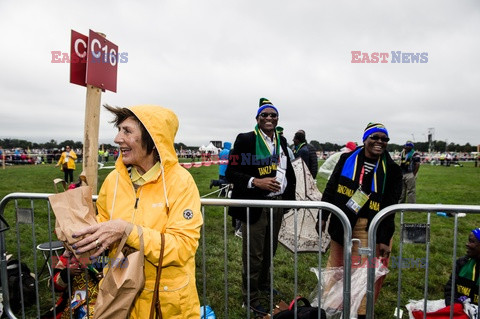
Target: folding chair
56,247
225,190
57,181
25,216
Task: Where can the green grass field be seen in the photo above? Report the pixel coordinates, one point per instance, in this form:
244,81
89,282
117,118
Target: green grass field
435,184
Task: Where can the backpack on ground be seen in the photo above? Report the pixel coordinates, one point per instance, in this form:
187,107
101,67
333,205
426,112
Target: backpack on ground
14,272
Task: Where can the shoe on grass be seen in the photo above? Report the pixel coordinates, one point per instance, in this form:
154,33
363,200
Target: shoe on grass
257,309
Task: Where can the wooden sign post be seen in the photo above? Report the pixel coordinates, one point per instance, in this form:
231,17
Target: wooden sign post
94,65
90,138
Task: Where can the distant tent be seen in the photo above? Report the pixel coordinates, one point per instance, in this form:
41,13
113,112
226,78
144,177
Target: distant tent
210,148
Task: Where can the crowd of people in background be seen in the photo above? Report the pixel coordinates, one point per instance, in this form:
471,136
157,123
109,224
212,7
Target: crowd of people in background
19,156
35,156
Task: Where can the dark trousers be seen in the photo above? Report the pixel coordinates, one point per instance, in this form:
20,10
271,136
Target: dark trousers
68,173
260,245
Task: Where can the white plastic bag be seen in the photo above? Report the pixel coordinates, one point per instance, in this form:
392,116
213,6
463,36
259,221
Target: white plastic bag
331,286
1,304
470,309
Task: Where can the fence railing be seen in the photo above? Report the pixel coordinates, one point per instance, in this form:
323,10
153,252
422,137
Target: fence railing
25,243
22,252
291,205
370,251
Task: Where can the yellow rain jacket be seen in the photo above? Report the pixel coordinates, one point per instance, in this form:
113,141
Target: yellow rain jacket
71,160
170,204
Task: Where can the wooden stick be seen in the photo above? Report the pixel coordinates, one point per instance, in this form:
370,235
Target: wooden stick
90,140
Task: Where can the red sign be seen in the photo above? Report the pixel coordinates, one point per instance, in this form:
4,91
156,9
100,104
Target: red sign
102,62
78,54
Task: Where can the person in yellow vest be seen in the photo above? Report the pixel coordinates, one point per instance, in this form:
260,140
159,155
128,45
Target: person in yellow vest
100,156
67,163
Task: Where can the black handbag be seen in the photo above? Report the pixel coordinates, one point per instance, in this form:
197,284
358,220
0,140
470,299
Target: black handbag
305,311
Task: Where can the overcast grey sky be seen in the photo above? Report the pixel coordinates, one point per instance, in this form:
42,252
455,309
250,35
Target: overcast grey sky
210,61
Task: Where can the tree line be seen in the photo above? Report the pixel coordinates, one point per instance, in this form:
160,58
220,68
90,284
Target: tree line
437,146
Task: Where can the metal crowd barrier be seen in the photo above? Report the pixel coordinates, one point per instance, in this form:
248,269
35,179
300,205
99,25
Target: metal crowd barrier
280,204
370,251
24,213
30,198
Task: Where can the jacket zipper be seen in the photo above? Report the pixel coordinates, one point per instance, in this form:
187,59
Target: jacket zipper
136,192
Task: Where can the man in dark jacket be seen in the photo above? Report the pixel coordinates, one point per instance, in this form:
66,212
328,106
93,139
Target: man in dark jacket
306,151
259,168
466,273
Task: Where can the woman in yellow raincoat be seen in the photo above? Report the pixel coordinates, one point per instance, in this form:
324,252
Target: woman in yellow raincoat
148,188
67,163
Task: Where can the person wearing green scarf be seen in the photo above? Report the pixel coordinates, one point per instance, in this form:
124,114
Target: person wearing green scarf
410,163
259,168
466,273
306,151
363,182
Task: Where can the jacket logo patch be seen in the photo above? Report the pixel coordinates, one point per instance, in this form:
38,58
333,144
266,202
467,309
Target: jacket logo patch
188,214
157,205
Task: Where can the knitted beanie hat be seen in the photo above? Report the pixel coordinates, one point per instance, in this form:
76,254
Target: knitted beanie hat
409,144
263,104
373,128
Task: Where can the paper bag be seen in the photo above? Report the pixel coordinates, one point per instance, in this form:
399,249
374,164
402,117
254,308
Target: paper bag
124,280
73,210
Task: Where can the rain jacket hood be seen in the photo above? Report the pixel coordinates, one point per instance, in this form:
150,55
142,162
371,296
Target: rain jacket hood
227,145
162,125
